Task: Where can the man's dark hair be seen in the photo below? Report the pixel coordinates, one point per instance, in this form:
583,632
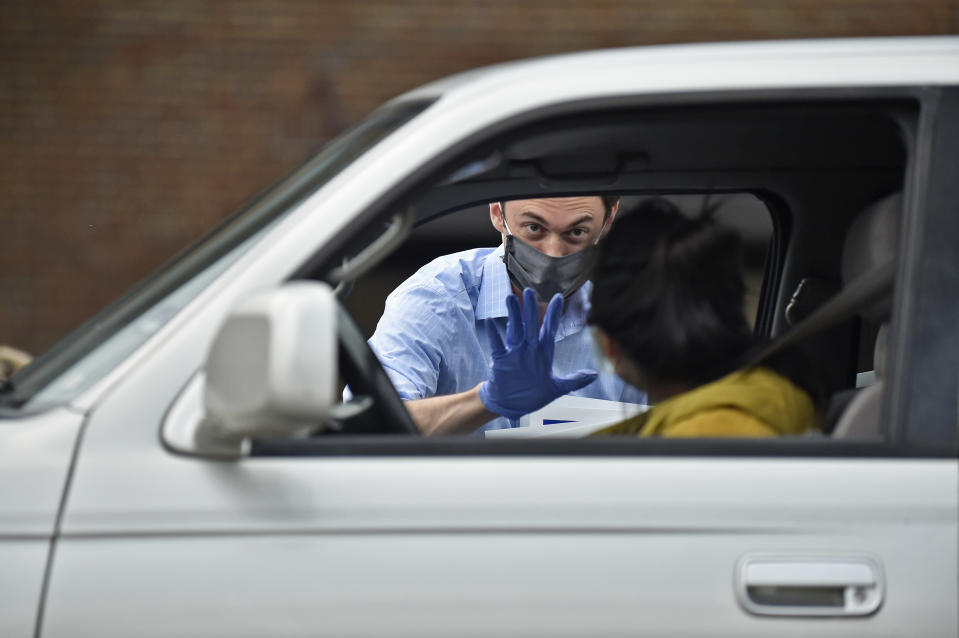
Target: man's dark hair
669,290
608,202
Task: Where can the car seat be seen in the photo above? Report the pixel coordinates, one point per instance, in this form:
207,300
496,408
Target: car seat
871,242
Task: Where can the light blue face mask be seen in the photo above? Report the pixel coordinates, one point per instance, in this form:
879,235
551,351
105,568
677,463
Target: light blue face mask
547,275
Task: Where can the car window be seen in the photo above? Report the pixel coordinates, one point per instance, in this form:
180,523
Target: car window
471,228
804,170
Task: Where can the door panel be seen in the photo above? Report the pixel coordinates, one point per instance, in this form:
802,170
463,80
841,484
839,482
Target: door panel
487,546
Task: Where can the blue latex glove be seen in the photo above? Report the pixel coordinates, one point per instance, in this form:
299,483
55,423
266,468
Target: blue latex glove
521,376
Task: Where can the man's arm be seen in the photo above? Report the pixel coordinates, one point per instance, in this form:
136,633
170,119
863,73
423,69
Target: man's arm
459,413
520,379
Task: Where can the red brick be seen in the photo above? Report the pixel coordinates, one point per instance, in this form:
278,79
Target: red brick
153,119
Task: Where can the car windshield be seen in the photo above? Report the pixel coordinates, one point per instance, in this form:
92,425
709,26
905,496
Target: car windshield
96,347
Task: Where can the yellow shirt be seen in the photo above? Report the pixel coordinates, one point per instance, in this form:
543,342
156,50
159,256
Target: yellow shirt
754,402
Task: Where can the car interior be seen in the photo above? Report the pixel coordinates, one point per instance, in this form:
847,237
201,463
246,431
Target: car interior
829,171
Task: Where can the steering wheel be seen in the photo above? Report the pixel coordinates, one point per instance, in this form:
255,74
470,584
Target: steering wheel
378,408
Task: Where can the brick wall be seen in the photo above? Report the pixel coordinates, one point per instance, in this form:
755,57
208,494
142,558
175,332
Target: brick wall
129,127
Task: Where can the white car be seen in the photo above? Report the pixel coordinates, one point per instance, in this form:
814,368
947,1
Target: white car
181,465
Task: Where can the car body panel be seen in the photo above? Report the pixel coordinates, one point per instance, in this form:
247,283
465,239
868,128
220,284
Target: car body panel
35,457
444,584
23,564
716,67
516,546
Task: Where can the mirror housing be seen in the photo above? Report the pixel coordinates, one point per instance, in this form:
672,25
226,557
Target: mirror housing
271,370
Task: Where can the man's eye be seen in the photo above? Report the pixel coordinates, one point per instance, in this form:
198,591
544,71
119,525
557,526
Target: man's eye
578,233
533,228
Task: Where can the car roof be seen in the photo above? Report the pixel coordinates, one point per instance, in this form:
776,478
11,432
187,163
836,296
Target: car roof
817,63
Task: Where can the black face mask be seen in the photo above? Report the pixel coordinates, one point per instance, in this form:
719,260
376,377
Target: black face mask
546,275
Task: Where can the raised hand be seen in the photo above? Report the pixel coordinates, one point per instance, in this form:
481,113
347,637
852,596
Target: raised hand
521,378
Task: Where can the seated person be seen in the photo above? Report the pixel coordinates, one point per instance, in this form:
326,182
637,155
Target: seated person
667,313
442,327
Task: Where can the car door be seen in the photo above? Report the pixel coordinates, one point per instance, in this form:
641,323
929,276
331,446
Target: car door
391,537
394,535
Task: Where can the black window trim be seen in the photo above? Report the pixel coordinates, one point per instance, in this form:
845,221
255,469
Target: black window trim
399,445
924,360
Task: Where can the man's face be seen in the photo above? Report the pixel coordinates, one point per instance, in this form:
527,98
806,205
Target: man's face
557,226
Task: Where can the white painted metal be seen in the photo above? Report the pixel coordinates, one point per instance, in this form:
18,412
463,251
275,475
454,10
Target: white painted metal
35,456
479,584
179,428
503,547
22,565
271,369
719,67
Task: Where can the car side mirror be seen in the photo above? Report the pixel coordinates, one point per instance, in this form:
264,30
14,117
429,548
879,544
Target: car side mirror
271,372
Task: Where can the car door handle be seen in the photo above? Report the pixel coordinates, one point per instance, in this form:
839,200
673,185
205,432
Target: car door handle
813,585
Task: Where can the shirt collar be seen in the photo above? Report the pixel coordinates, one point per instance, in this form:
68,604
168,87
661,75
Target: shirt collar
494,286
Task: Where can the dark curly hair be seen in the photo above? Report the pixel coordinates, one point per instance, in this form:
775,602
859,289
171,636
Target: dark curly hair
669,290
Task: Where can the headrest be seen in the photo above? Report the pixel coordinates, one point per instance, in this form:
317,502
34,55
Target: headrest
872,241
873,238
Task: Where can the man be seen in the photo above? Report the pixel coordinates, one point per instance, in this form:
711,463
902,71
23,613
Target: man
442,334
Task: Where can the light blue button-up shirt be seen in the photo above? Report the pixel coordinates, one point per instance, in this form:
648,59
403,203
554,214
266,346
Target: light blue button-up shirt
433,337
